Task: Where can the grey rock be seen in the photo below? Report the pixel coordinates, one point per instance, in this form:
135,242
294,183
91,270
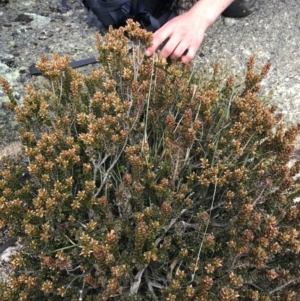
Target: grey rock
9,74
23,69
3,99
38,21
7,59
10,242
24,18
229,21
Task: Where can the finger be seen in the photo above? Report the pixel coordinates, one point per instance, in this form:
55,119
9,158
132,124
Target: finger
170,47
188,57
180,50
158,38
192,50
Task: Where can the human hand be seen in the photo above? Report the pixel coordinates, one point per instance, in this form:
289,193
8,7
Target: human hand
184,33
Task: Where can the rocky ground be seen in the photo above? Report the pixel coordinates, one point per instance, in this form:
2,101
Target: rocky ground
29,28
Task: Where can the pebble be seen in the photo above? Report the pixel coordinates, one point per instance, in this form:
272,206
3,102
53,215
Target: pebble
229,21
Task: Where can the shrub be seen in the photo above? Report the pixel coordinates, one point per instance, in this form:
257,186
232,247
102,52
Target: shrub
148,180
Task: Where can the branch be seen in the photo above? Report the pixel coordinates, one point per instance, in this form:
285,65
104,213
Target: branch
106,175
152,284
281,287
200,248
167,228
254,285
135,285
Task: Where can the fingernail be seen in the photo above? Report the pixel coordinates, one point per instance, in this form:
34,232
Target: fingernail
147,52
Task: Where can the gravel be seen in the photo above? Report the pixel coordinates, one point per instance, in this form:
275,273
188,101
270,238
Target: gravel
28,29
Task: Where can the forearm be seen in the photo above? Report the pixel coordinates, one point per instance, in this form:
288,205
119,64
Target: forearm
210,10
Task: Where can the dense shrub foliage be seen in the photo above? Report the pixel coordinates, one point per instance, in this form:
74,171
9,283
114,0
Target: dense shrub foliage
148,180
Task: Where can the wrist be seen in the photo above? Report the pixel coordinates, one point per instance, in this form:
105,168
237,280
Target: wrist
209,10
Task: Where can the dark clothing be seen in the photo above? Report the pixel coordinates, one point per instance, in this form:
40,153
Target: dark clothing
179,6
157,7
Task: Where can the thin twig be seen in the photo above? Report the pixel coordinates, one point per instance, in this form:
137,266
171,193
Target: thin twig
281,287
206,228
254,285
259,197
106,175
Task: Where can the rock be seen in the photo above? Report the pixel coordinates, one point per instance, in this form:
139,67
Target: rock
22,69
3,99
229,21
37,20
7,59
24,18
6,248
5,258
3,2
9,74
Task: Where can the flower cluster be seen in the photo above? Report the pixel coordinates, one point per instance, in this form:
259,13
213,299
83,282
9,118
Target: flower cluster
148,180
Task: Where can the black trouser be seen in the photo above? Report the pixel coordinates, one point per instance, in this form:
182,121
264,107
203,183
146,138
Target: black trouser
157,7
